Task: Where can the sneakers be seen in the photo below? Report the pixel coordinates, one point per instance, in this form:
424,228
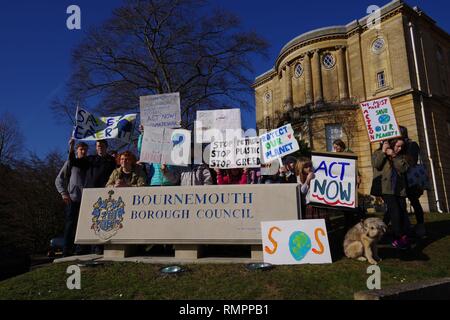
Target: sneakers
403,243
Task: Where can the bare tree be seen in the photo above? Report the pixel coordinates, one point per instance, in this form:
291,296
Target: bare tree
163,46
31,210
11,138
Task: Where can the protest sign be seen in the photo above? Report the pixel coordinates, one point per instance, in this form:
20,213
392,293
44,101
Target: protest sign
270,169
151,148
236,153
161,111
176,147
220,125
335,180
380,120
295,242
278,143
91,128
167,146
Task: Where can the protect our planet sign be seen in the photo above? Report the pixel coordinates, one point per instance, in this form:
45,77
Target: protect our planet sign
335,180
380,120
295,242
278,143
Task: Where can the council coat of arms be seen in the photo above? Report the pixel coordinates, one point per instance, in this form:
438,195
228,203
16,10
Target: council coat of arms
107,216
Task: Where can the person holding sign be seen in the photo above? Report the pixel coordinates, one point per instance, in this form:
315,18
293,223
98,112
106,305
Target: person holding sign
155,174
305,174
390,167
98,168
128,174
192,175
69,183
287,172
414,192
350,219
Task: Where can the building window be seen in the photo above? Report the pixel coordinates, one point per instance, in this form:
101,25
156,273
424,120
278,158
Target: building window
381,79
378,45
328,61
332,133
298,70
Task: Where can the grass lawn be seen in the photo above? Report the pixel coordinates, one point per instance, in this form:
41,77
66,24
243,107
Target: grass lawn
430,258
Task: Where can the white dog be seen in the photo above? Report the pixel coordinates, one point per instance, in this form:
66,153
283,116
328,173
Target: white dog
361,241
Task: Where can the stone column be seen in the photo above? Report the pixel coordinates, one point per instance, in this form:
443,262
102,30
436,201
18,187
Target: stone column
266,115
288,88
317,77
342,74
308,79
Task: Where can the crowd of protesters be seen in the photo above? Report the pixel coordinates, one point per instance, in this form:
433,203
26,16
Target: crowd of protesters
390,165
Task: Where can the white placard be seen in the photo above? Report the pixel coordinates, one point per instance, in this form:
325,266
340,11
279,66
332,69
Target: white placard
223,124
278,143
167,146
335,180
236,153
161,111
176,147
295,242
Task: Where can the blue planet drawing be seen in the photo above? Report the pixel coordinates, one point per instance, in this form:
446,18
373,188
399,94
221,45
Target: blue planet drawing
124,125
384,119
299,245
177,139
378,129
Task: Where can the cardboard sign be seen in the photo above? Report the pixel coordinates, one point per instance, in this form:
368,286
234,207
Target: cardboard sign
176,148
237,153
278,143
91,128
218,125
295,242
380,120
167,146
270,169
161,111
335,181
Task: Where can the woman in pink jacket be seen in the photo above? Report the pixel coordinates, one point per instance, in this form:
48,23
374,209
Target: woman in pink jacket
231,176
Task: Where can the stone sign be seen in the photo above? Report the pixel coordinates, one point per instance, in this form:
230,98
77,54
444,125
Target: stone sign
183,215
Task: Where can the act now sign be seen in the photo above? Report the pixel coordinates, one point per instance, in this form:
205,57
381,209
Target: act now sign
295,242
335,180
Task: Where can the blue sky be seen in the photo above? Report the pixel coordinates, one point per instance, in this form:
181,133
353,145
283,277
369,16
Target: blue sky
35,48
